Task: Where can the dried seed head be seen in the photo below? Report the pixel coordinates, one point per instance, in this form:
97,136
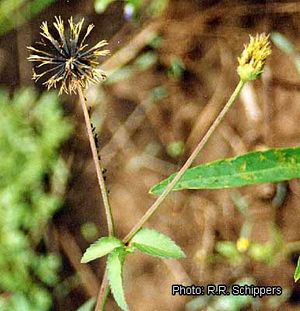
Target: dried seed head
67,61
253,58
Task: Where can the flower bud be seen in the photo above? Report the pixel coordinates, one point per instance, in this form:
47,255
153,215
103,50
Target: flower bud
253,58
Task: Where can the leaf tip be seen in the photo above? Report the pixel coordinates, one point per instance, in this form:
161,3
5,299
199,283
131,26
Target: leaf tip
183,255
115,263
154,190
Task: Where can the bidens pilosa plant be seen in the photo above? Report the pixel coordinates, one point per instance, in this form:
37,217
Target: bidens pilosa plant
70,63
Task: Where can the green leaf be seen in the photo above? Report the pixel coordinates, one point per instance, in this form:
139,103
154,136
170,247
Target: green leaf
115,263
175,149
283,43
101,5
89,231
101,248
88,305
146,60
154,243
297,271
227,249
32,130
157,7
263,252
176,68
257,167
8,10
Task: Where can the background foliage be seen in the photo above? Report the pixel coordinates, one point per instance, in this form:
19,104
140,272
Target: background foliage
33,178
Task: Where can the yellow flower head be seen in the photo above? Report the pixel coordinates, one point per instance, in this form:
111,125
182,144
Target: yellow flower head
253,58
67,60
242,245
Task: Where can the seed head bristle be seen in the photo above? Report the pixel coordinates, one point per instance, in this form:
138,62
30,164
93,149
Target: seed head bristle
67,60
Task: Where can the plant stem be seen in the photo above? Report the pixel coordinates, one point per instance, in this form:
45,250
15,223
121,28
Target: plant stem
103,293
99,169
104,286
187,164
291,247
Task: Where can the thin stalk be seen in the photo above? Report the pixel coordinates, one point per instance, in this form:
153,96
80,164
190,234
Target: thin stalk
99,169
187,164
104,286
287,250
103,293
291,247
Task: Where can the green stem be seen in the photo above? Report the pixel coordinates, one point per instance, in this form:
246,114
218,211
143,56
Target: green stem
287,250
291,247
187,164
99,169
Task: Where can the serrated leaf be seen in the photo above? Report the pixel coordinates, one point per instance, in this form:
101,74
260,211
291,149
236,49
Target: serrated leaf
273,165
154,243
115,263
297,271
101,248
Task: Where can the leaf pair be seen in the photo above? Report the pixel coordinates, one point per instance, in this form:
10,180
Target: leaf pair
148,241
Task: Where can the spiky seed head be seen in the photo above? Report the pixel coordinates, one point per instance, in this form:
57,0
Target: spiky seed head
253,58
66,61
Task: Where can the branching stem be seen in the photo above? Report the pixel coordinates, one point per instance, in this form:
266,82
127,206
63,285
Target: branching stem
104,286
187,164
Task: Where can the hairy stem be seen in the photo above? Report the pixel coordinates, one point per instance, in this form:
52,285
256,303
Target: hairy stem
99,169
187,164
